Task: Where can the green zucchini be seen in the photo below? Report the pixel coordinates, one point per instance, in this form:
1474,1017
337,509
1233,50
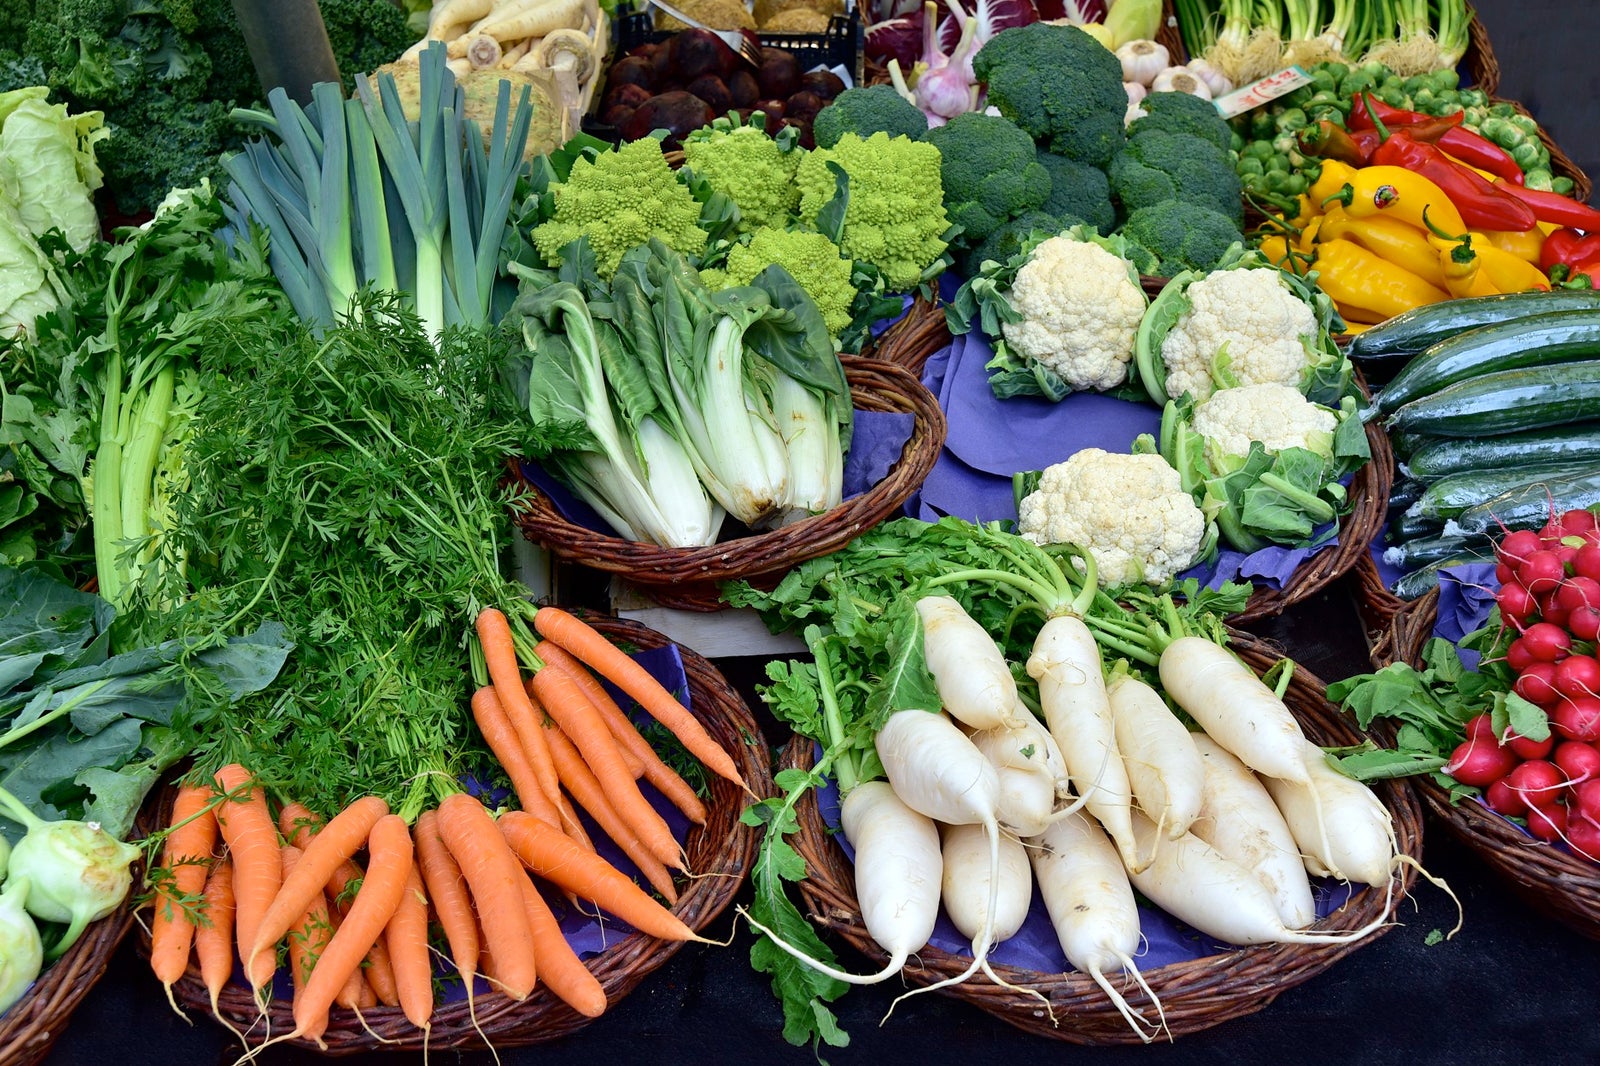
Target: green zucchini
1410,526
1539,340
1507,401
1425,551
1403,443
1530,507
1442,456
1406,492
1405,335
1415,584
1449,496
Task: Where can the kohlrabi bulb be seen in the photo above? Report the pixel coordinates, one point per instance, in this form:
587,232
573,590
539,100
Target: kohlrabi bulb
77,872
21,951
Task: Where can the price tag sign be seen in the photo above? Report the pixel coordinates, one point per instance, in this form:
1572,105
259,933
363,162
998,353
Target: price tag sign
1263,91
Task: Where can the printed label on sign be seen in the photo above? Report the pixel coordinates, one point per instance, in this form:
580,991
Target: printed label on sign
1263,91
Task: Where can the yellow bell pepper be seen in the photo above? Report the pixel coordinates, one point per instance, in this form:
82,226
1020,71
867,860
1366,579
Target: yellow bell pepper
1276,249
1463,273
1398,193
1351,328
1401,244
1307,241
1334,177
1525,246
1508,272
1357,316
1357,278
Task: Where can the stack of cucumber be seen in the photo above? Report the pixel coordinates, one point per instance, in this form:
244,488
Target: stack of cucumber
1493,408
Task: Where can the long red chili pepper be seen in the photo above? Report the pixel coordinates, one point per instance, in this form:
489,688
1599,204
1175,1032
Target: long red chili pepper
1473,149
1553,207
1482,205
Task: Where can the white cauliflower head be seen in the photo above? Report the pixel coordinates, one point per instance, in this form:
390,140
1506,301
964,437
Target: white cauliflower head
1266,332
1127,511
1276,415
1080,313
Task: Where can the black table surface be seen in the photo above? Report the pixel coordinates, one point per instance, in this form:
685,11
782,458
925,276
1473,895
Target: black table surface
1512,986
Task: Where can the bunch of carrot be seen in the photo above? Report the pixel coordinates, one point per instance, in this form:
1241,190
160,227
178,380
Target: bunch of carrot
558,735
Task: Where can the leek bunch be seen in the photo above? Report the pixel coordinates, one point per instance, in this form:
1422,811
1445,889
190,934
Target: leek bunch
355,193
668,407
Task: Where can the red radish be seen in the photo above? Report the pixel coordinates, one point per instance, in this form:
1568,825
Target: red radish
1577,760
1537,781
1480,763
1576,522
1516,547
1516,602
1529,749
1578,591
1548,824
1587,561
1503,799
1504,574
1541,571
1574,676
1536,684
1577,719
1546,642
1566,553
1518,657
1556,616
1586,802
1481,727
1583,837
1584,623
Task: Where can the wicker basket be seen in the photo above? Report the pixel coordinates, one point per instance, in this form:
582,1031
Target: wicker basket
913,340
1196,995
32,1024
720,854
1551,879
687,577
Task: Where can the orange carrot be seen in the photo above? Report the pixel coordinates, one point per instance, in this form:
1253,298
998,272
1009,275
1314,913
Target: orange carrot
310,935
605,659
252,842
407,940
560,697
356,993
213,942
587,790
328,850
448,892
496,727
574,828
388,869
379,971
500,656
491,870
298,823
658,773
186,855
555,858
563,972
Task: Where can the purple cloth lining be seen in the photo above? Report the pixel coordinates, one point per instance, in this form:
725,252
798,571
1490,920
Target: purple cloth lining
587,934
1035,946
990,439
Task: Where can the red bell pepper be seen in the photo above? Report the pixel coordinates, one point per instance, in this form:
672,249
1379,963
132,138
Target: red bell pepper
1553,207
1482,205
1471,148
1568,247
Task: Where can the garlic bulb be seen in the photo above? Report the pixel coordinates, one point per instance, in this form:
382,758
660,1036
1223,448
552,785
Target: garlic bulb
1135,91
1134,112
1215,80
1142,61
1180,80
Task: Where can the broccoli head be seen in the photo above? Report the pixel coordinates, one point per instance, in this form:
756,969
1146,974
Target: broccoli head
1006,240
1157,166
865,111
1078,190
989,172
1174,112
1181,235
1060,85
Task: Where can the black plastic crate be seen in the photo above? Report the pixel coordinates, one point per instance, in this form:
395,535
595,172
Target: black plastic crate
837,46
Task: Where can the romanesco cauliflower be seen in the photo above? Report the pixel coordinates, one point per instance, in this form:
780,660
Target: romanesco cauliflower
1080,307
812,260
619,200
895,217
1276,415
1129,512
1244,327
754,170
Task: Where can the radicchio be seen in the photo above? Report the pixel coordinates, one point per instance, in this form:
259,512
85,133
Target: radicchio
896,38
991,17
1076,12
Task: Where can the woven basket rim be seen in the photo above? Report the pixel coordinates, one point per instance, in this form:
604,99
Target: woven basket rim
721,866
31,1025
1553,880
878,385
1196,994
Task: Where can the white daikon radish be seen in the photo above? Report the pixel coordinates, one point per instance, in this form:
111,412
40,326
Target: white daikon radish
1031,776
968,668
1085,889
966,882
1072,693
1239,819
1197,884
1361,840
1163,766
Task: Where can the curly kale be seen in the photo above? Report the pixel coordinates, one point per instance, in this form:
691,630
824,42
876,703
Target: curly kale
989,173
1059,84
1156,167
159,143
1182,236
1078,191
364,34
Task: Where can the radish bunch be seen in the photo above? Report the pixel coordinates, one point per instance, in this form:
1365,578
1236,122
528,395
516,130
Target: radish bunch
1550,596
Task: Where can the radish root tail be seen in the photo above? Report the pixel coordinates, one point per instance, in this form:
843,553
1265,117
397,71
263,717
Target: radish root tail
895,964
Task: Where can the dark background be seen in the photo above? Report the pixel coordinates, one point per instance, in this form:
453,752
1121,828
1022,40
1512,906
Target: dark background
1512,986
